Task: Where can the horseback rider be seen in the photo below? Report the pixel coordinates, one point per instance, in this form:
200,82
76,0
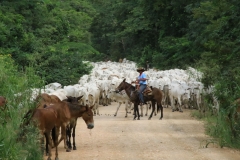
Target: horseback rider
142,80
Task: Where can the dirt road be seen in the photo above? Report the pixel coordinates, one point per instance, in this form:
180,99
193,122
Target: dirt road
177,137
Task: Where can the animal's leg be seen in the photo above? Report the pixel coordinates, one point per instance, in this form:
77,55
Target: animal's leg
138,112
153,109
135,110
47,135
68,137
147,110
161,108
130,107
118,108
97,105
180,105
126,109
172,104
46,147
55,141
141,110
73,135
63,137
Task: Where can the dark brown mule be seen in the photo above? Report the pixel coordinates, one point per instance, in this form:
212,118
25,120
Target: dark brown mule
76,111
132,93
46,119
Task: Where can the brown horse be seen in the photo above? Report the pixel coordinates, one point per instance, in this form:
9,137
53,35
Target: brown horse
133,94
46,119
76,111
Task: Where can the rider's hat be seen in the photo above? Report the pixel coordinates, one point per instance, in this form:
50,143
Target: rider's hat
140,69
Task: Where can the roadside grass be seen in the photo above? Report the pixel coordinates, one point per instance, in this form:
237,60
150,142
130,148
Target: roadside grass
218,127
14,86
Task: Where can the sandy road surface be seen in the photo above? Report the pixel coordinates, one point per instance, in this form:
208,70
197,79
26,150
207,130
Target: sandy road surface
177,137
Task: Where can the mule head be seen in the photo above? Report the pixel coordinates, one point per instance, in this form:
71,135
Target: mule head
73,100
121,86
87,116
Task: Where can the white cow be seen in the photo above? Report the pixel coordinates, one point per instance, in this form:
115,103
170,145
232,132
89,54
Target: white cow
54,85
92,97
176,90
60,94
120,97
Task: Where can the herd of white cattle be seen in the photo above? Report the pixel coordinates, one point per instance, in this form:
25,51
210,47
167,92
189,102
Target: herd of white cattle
179,86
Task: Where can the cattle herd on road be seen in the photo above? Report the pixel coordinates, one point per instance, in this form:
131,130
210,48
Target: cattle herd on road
181,89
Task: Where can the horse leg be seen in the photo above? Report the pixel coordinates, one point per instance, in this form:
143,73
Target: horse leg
63,137
135,109
153,109
48,147
117,108
73,135
161,108
147,110
55,141
68,137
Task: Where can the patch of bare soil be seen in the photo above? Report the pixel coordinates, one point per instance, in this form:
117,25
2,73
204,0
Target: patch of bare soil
177,136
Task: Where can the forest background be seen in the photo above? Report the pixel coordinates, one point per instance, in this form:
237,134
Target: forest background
44,41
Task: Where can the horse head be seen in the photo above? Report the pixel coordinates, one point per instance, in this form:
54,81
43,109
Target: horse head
121,86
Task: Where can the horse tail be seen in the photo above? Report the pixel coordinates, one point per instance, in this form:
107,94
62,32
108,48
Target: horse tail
25,122
27,117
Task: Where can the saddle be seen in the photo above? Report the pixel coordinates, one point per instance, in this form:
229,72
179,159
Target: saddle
147,91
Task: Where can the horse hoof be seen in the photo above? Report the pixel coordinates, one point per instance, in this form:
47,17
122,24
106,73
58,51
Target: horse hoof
149,118
68,150
181,111
74,148
49,158
56,158
138,118
145,114
160,118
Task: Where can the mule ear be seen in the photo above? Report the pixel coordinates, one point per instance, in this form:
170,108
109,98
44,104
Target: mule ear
91,107
78,98
124,80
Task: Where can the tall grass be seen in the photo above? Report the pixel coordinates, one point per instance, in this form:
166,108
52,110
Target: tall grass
218,126
13,82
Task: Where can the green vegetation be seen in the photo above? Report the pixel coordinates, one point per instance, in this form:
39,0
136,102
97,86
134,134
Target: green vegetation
12,82
45,41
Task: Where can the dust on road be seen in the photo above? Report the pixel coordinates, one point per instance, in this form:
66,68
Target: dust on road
177,136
